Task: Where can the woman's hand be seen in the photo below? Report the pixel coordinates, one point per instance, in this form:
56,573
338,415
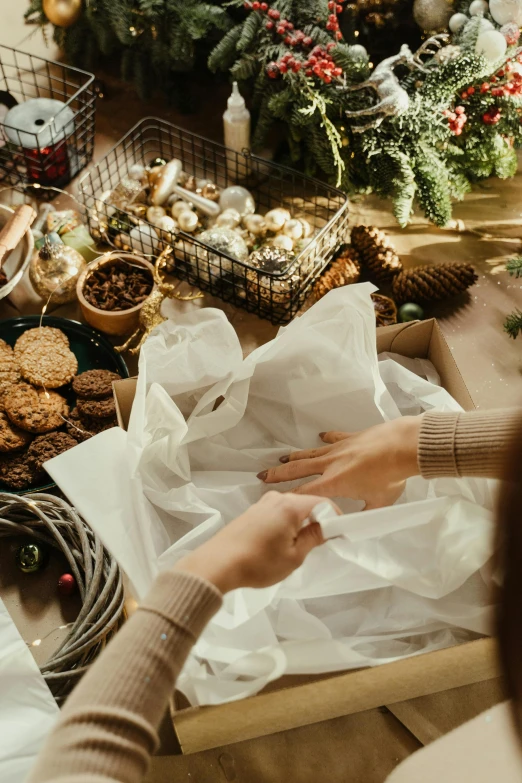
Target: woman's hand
261,547
372,465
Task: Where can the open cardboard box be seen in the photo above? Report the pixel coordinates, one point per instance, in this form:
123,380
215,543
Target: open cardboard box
465,676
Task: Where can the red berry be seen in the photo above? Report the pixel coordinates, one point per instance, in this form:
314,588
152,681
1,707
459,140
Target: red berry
248,6
459,110
497,91
288,40
308,40
338,35
317,70
283,67
471,91
457,131
289,26
464,95
339,9
501,73
66,584
330,46
337,71
331,5
330,26
280,29
256,6
274,13
485,87
269,25
309,72
272,70
327,79
264,6
332,18
296,66
312,59
287,56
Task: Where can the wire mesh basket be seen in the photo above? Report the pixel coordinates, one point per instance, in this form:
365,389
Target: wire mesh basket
276,296
51,139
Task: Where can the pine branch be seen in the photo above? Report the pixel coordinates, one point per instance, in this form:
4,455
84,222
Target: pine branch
513,324
514,266
225,52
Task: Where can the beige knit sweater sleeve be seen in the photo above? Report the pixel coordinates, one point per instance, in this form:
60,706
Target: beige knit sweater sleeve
107,729
473,443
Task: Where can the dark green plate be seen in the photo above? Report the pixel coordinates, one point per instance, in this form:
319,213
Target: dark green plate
92,349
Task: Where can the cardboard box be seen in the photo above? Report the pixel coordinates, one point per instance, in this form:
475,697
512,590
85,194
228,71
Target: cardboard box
465,677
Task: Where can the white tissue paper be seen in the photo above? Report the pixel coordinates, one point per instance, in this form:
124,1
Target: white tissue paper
27,709
390,583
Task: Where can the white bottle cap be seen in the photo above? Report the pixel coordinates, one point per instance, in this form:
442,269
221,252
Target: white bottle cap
236,102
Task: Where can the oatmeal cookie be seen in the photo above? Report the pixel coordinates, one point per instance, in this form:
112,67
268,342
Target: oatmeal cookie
49,365
35,410
46,447
12,438
95,384
97,409
41,334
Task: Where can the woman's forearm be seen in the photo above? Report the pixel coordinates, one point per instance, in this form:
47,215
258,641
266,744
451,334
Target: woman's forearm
472,443
107,730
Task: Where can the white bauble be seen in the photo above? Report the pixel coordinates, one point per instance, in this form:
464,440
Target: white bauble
237,197
504,11
492,45
283,241
144,239
276,218
293,228
485,24
432,14
255,224
358,52
178,207
137,172
188,221
478,8
230,218
168,224
457,22
154,215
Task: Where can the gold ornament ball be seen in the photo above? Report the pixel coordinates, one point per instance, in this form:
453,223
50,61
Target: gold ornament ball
54,271
62,13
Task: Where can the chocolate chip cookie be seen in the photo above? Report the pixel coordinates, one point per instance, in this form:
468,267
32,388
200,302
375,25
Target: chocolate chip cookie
16,472
35,410
97,409
12,438
46,447
49,365
84,427
95,384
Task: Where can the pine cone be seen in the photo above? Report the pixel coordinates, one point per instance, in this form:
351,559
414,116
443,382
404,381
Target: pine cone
345,270
376,252
432,283
385,310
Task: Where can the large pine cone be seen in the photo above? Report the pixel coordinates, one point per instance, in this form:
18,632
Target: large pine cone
433,283
345,270
376,252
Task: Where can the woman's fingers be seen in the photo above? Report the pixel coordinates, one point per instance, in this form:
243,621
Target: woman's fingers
320,487
291,471
334,436
307,454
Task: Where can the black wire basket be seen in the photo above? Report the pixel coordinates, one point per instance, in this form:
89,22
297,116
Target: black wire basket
275,296
50,141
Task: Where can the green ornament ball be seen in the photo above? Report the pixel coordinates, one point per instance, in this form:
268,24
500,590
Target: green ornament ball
30,558
157,162
410,312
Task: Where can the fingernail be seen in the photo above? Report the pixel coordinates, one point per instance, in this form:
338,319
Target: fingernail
322,434
284,460
262,476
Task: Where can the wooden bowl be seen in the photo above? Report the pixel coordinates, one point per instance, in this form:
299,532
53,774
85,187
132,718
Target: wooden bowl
114,322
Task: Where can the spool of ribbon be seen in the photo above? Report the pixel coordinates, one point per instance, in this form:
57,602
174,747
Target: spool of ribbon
40,128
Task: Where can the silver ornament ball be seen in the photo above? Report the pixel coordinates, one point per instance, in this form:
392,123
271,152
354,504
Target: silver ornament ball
432,14
478,8
239,198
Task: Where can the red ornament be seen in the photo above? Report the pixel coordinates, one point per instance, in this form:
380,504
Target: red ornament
66,584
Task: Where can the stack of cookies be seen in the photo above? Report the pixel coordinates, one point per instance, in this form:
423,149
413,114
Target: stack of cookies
35,422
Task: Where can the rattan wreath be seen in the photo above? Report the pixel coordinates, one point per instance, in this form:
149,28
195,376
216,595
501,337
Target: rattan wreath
53,521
